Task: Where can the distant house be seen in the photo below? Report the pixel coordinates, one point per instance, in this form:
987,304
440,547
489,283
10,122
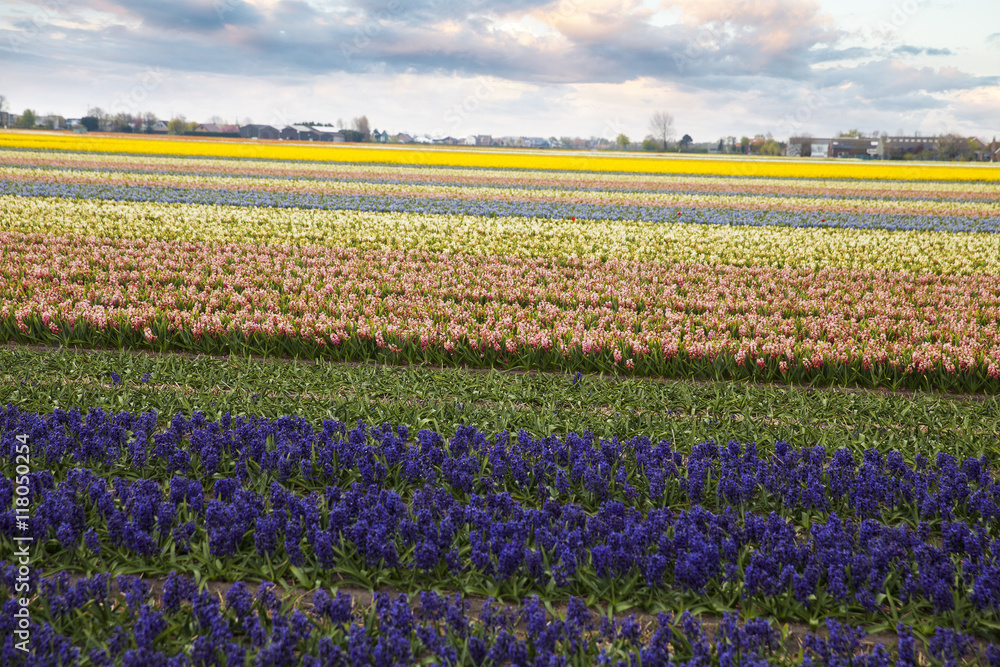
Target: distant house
208,127
977,148
50,121
326,133
848,147
229,129
306,133
380,137
513,142
289,133
259,132
484,140
404,138
896,147
160,126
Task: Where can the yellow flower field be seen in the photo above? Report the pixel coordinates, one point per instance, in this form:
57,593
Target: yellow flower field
503,159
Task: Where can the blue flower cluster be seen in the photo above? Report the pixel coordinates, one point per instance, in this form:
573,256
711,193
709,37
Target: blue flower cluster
503,209
257,626
576,514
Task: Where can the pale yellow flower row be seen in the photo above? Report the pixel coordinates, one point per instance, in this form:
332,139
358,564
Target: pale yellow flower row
517,159
736,200
813,248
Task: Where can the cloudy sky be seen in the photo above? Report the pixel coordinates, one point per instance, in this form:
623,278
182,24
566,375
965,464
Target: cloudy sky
523,67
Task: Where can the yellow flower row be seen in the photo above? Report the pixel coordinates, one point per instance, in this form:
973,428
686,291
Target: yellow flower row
335,170
512,159
812,248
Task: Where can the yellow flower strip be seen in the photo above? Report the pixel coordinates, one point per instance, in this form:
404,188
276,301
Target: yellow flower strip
501,158
812,248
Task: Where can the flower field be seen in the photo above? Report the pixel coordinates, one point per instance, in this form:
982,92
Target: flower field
758,424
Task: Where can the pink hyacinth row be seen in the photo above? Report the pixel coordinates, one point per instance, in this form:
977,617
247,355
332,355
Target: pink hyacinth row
504,305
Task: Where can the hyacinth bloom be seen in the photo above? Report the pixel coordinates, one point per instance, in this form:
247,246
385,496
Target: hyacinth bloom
382,507
120,184
396,629
864,274
746,274
349,303
62,166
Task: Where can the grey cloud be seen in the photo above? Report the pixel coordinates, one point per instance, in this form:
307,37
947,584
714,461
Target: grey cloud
911,50
888,79
423,11
912,102
190,15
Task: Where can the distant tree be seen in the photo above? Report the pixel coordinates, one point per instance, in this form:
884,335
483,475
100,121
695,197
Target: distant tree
744,144
851,134
623,141
361,125
177,125
661,124
27,119
148,121
771,147
103,118
91,123
686,141
649,144
953,146
122,122
352,135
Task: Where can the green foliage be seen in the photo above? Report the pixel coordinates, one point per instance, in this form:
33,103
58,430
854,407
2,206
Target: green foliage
27,120
684,413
